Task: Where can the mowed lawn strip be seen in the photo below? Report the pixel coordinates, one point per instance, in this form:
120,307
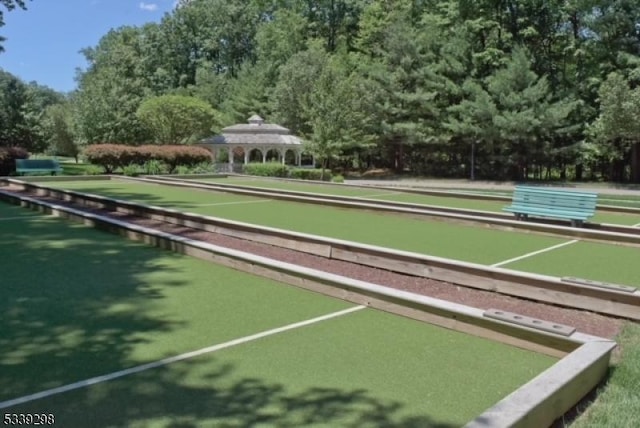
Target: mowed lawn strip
421,235
365,369
78,303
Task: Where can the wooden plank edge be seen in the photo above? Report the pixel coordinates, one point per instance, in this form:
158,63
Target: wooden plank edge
489,218
437,213
552,393
505,281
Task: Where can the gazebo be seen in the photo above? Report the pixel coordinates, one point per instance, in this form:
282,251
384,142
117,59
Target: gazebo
255,141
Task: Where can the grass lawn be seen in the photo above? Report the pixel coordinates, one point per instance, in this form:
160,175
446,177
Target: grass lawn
618,402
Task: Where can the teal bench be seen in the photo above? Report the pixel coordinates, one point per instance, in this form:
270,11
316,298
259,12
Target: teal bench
25,166
570,205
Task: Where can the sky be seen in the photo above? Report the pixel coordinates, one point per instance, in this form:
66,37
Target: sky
44,42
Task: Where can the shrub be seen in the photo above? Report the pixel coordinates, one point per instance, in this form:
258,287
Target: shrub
132,170
113,156
309,174
271,169
183,170
93,170
337,178
154,167
202,168
109,156
182,155
8,156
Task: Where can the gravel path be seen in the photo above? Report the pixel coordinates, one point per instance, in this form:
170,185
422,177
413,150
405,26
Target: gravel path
585,322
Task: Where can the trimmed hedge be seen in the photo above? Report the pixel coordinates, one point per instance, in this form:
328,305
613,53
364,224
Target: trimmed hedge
8,156
275,169
113,156
271,169
309,174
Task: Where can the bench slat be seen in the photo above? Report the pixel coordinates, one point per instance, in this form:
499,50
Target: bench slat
37,165
562,204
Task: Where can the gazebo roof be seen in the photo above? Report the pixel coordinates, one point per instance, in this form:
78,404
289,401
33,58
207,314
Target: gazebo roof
256,132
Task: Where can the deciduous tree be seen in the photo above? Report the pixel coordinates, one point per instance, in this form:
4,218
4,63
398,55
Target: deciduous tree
176,119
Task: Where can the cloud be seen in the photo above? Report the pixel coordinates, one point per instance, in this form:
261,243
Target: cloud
149,7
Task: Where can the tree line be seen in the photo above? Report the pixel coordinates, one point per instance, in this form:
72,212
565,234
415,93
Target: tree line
494,89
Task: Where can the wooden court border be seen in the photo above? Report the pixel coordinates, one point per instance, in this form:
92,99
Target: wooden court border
542,288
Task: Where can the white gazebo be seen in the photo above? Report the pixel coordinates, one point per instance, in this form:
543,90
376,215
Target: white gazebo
255,141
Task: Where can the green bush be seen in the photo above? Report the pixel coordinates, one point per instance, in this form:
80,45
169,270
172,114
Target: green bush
183,155
183,170
271,169
309,174
132,170
113,156
92,170
337,179
154,167
8,156
202,168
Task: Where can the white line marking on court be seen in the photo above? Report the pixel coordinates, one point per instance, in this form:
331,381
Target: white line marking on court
636,225
231,203
169,360
535,253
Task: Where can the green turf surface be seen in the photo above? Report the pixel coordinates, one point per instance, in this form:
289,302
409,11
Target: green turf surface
78,303
72,293
587,260
396,196
363,369
424,236
466,243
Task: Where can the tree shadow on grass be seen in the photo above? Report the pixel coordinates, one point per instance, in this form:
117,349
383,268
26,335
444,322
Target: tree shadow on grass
210,393
73,303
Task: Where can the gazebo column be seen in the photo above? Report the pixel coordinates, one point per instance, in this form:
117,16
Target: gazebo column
283,153
264,155
246,156
298,157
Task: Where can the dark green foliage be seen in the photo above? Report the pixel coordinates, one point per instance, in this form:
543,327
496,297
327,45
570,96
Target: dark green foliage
310,174
270,169
408,85
8,156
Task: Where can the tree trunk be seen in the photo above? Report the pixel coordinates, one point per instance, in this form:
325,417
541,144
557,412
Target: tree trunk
579,171
635,163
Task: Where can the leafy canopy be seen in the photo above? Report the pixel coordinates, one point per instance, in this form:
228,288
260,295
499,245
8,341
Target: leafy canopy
176,119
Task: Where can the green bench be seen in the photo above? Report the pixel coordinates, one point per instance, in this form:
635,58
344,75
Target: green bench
25,166
570,205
